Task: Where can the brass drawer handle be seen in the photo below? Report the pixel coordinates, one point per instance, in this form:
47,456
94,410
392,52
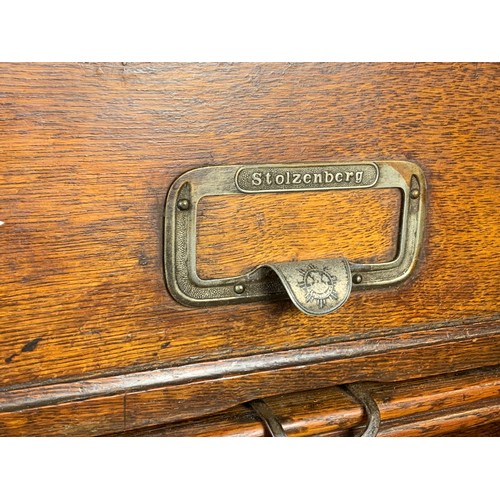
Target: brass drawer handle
359,391
268,418
316,287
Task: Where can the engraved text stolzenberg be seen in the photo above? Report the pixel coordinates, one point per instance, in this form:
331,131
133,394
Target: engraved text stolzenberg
282,178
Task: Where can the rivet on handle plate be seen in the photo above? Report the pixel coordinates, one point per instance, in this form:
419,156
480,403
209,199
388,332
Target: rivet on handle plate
316,287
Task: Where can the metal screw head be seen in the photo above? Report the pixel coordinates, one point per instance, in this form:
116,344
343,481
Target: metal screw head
357,278
414,193
183,204
239,288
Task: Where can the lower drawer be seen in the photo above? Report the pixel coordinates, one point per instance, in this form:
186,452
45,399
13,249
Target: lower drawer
466,403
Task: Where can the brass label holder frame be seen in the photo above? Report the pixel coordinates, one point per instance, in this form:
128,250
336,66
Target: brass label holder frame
317,286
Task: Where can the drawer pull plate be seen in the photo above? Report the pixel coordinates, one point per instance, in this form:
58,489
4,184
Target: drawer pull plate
316,287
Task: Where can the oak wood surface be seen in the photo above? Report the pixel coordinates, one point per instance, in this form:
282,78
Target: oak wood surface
235,234
491,429
423,407
88,152
163,396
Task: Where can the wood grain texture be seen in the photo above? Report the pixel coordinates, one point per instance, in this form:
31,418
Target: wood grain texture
173,403
491,429
78,418
88,152
424,407
161,396
237,233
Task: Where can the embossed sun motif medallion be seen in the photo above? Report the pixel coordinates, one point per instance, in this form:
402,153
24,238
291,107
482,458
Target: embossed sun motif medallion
318,284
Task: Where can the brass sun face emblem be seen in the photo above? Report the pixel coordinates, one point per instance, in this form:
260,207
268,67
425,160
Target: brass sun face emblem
318,284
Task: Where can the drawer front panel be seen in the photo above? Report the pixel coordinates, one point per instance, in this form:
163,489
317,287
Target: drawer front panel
88,152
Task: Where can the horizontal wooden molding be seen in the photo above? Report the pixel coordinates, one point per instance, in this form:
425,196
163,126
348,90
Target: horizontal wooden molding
446,337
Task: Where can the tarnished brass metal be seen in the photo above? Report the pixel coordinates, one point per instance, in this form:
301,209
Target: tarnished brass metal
316,287
276,178
359,391
268,418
